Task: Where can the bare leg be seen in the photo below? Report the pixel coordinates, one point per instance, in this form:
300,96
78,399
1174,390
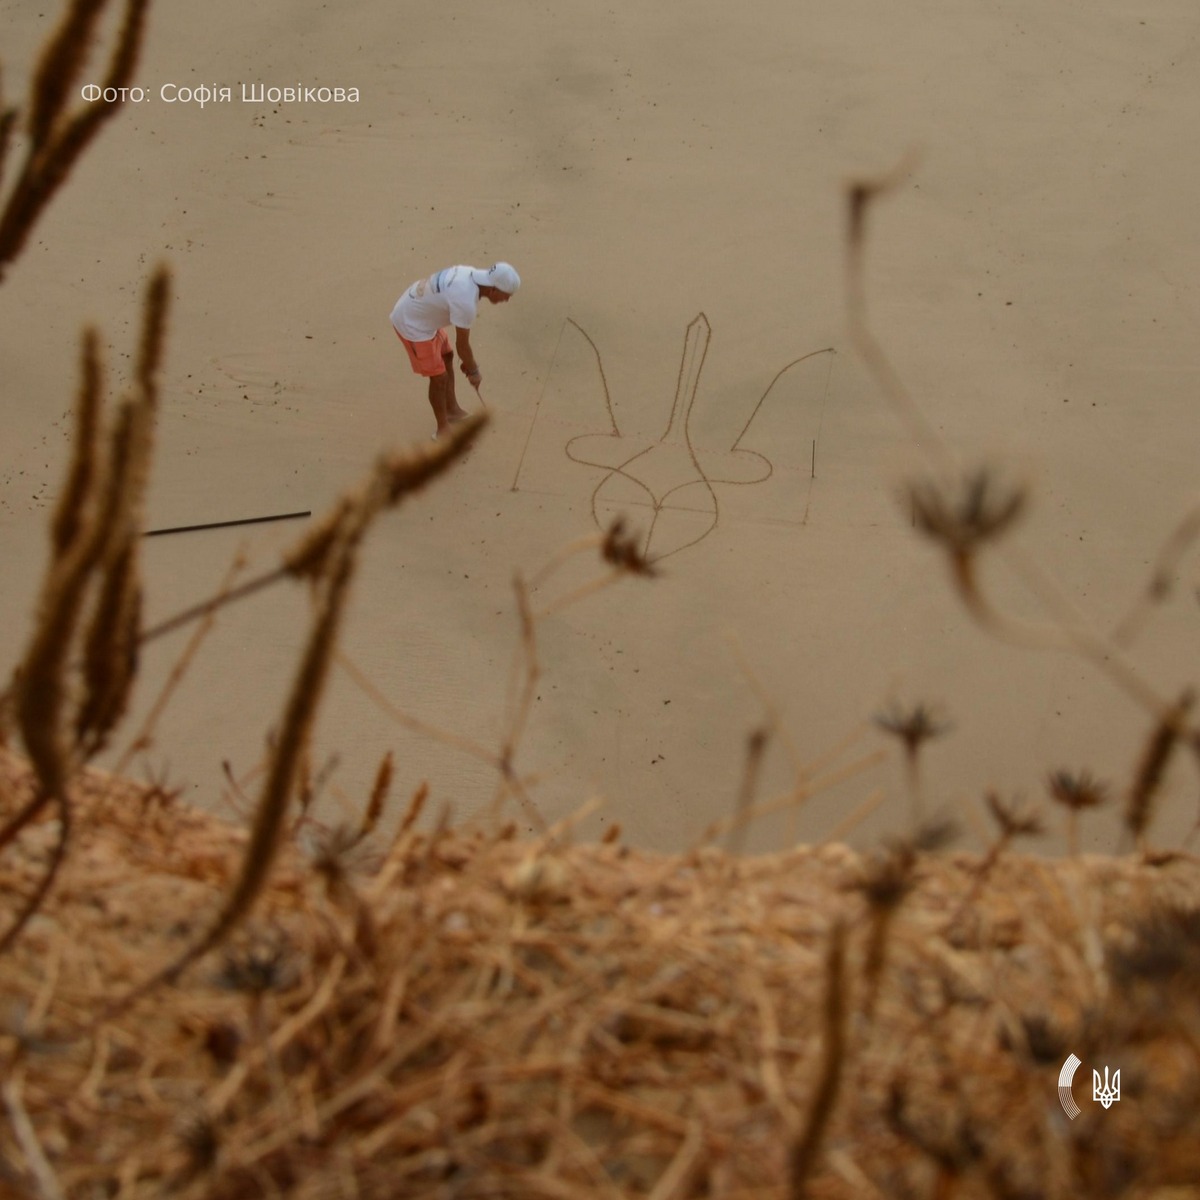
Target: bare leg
454,412
437,400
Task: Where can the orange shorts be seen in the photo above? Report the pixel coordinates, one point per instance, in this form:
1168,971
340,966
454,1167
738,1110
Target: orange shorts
428,358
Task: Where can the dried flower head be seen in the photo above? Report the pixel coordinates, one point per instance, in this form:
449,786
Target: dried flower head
621,550
1076,792
860,193
256,969
337,852
913,726
159,790
329,846
1015,818
888,877
935,834
963,516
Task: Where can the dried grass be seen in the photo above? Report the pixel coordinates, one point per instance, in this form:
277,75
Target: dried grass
473,1015
201,1010
57,134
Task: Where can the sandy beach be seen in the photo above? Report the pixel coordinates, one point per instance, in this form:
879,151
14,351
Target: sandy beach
1033,280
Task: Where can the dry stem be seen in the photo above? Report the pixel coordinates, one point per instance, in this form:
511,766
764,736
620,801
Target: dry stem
56,137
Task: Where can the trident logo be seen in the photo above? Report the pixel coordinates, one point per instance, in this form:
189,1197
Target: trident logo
1106,1092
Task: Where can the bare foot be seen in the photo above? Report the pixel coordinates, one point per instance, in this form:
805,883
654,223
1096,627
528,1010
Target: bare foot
456,414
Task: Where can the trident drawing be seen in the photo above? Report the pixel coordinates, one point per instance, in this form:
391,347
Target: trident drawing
1106,1092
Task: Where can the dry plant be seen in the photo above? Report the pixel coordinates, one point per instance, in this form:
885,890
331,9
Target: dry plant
969,512
469,1014
804,1154
619,551
1162,577
91,598
810,781
809,778
913,727
95,535
1016,820
55,132
326,557
756,746
90,601
74,682
461,1013
144,738
1157,754
1076,793
886,881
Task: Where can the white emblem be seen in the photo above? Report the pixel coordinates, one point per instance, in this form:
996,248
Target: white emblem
1106,1092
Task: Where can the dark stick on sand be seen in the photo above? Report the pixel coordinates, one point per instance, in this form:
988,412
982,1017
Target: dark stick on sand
226,524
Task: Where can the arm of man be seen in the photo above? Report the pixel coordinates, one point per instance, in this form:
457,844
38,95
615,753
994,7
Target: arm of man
462,343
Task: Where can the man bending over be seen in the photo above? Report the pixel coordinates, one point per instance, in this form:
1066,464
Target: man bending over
422,316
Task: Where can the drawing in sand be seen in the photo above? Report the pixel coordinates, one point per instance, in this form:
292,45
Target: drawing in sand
671,473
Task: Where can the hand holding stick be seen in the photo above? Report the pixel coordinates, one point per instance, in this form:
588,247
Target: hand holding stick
474,378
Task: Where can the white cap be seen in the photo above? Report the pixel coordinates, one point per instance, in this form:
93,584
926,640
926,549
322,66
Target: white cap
500,275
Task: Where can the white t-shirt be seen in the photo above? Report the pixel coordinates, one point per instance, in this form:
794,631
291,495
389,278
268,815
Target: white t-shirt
448,297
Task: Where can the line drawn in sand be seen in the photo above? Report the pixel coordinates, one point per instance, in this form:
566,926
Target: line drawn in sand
667,474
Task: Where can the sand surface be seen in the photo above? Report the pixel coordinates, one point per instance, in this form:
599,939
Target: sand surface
1034,280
